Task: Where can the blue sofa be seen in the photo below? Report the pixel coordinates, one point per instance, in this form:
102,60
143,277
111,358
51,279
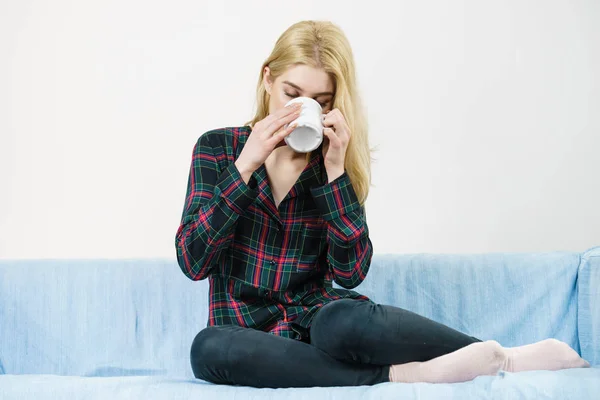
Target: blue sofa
122,329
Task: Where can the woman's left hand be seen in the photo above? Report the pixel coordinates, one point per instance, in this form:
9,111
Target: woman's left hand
337,132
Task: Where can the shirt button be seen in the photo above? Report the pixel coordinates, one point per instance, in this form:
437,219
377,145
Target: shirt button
272,261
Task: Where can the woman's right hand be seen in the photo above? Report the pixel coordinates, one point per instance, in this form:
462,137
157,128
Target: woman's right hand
267,135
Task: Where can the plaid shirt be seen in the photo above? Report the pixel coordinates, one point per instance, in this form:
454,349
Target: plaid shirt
269,268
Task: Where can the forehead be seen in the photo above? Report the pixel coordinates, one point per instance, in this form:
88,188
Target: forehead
310,79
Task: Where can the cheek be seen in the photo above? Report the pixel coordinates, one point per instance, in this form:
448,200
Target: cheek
277,102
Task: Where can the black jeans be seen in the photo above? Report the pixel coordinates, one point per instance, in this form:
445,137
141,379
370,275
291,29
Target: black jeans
352,343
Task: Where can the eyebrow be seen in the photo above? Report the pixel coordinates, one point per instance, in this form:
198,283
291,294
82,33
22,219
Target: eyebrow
298,87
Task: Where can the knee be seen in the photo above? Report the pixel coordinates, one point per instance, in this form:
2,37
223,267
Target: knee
206,352
339,327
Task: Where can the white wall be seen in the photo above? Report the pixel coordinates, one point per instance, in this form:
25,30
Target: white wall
486,116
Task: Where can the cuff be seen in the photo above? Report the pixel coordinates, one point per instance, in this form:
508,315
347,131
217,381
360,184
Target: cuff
336,198
235,191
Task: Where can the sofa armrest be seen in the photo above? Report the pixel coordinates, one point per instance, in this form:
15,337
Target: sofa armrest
588,299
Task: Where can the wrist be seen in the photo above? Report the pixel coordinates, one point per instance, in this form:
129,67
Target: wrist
334,173
244,167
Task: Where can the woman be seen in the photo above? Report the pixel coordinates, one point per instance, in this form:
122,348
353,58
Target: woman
271,229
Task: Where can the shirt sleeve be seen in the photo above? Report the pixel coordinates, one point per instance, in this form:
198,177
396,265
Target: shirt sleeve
213,203
349,248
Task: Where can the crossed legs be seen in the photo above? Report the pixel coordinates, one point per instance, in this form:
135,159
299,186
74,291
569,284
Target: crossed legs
354,342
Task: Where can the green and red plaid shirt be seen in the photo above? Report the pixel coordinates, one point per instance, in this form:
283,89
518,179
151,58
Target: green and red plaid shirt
269,268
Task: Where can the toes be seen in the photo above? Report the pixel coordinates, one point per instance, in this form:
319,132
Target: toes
571,358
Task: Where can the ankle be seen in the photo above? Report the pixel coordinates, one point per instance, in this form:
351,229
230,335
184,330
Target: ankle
500,357
509,362
410,372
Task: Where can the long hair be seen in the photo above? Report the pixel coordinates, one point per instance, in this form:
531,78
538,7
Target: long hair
323,45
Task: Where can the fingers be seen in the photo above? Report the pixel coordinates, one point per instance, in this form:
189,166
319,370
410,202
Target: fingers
282,116
336,120
277,124
334,140
335,117
279,136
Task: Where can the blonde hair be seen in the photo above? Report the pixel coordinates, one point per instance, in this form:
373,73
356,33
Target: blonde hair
323,45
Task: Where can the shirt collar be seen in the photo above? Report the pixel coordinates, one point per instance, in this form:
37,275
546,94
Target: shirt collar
312,175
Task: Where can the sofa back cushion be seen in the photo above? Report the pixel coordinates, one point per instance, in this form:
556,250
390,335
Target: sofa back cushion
139,316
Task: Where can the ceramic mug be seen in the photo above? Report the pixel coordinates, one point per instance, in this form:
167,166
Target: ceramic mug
308,135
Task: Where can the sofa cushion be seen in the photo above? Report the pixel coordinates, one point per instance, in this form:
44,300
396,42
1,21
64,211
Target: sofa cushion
575,384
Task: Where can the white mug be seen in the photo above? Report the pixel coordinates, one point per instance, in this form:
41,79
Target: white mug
308,135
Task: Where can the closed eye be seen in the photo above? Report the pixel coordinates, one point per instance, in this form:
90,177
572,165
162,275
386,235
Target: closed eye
295,95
